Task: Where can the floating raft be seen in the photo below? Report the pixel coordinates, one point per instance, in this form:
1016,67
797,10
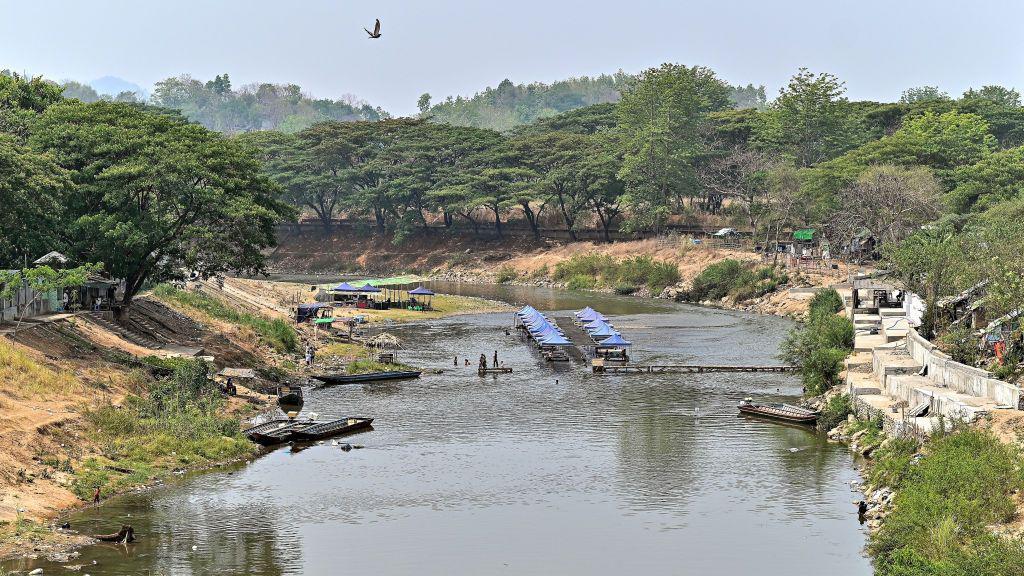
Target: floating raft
485,371
686,368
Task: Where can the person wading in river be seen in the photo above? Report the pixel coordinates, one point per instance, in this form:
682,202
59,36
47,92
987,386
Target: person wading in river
495,358
483,360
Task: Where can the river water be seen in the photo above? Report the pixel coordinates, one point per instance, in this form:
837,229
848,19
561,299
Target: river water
548,470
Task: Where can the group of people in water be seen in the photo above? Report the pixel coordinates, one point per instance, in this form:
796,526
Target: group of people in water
483,361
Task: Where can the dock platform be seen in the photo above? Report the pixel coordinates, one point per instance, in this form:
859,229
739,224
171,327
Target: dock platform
684,368
486,371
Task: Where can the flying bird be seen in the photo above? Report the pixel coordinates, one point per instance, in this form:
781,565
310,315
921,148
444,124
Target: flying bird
376,30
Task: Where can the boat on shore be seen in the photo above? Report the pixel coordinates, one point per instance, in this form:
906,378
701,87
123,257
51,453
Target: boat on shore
778,411
332,379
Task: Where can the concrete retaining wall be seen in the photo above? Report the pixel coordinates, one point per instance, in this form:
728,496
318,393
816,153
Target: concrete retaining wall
960,377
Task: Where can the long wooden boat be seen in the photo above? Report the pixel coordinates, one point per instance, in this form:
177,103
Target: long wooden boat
277,431
779,411
368,377
290,395
333,428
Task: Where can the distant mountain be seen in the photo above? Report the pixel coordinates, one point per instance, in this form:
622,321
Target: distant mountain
112,86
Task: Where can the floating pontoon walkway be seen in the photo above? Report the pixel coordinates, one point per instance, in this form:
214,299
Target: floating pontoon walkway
599,368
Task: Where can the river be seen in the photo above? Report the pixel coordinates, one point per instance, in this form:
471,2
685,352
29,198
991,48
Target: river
543,471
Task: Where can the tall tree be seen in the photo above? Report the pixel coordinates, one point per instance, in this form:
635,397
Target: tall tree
157,196
661,118
811,119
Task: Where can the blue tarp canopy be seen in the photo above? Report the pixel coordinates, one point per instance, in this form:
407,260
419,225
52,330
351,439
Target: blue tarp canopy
590,315
615,340
554,340
605,330
587,310
368,288
345,287
421,291
596,325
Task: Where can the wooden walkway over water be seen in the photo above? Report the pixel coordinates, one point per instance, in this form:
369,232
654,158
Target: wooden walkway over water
684,368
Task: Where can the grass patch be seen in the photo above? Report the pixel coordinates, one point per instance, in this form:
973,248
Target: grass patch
945,504
275,332
366,365
735,279
180,423
24,376
588,271
443,304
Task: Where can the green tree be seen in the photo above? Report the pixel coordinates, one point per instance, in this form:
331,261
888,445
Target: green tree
930,263
922,94
32,187
811,119
996,94
157,196
661,118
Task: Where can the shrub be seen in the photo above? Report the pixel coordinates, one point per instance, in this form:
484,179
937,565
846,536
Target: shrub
732,278
818,349
835,412
593,265
624,288
961,345
581,282
506,274
826,301
644,270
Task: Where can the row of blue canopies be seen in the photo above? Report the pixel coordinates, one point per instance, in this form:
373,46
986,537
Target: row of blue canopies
542,330
600,330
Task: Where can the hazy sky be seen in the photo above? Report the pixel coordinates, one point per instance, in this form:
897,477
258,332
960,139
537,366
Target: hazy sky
447,47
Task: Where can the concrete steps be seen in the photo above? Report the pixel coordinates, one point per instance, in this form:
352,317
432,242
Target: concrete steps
137,339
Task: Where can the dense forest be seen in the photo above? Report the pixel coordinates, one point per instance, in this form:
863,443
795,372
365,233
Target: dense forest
510,105
218,106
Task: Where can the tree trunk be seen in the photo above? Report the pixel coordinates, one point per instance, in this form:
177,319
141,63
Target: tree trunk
532,219
497,220
378,214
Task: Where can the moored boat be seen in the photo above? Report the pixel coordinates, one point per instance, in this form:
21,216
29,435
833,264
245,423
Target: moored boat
368,377
333,428
778,411
277,431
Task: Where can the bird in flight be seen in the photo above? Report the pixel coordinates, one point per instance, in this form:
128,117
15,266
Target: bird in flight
376,30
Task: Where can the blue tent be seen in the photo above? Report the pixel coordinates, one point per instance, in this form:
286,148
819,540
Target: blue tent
554,340
368,288
421,291
585,311
605,330
345,287
615,340
596,325
591,316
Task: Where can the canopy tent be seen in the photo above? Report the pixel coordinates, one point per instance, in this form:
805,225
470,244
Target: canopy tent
369,288
554,340
344,287
615,340
589,316
596,325
584,311
307,311
421,291
605,330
